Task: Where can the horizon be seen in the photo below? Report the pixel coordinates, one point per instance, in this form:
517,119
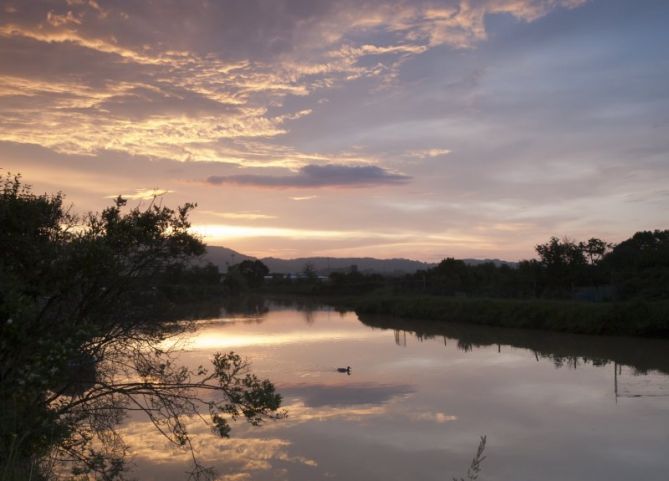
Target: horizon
385,129
363,257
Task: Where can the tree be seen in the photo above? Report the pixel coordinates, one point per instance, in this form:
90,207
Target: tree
246,275
450,276
563,261
640,265
254,272
528,278
595,250
309,272
80,345
558,253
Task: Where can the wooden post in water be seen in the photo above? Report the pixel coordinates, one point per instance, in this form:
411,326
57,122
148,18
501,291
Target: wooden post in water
615,380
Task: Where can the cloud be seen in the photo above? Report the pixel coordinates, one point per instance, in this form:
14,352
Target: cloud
142,194
425,153
58,20
240,455
320,395
312,175
239,215
303,197
184,83
550,139
435,417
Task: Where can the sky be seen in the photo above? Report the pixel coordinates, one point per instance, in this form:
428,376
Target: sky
418,129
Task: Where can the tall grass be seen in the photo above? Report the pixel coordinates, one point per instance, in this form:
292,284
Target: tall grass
475,466
637,318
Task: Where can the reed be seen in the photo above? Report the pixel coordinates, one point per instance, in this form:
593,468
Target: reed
635,318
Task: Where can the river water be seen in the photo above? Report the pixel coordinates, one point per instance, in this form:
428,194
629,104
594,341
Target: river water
418,398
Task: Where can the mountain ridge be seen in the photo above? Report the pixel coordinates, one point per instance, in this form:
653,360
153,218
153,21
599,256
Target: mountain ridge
224,257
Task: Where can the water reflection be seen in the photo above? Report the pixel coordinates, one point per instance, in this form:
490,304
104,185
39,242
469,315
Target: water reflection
638,366
562,349
250,307
421,394
244,457
320,395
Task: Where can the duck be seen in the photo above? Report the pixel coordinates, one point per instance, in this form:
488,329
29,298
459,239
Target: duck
347,370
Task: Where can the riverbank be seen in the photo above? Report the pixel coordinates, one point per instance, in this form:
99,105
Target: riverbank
636,318
562,348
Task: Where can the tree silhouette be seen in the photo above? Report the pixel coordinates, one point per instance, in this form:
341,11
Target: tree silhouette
80,347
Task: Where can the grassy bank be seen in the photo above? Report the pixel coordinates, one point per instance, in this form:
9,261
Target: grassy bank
563,348
638,318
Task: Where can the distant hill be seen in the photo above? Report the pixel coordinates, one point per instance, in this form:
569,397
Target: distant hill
223,257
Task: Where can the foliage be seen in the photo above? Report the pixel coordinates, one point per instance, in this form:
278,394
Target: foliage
640,265
309,272
182,283
246,275
475,466
352,282
631,318
595,250
79,346
594,270
563,262
253,272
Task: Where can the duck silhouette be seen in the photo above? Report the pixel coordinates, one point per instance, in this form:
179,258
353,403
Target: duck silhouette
347,370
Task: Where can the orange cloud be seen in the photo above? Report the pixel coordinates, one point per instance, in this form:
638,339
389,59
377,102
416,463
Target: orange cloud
78,118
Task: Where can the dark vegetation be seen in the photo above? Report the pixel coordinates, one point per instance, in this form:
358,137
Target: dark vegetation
563,349
637,268
189,282
82,343
637,318
589,287
248,274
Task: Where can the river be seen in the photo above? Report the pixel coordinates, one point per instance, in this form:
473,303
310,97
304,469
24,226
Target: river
419,396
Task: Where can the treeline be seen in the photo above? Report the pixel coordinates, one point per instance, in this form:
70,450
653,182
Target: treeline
197,281
594,270
565,269
189,282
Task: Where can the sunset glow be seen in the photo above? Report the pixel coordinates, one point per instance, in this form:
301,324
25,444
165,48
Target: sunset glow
420,129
